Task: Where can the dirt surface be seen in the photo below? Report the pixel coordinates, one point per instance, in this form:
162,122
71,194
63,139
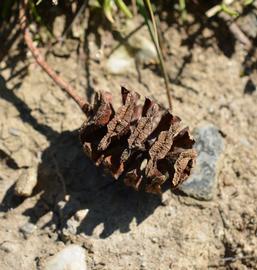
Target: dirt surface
75,203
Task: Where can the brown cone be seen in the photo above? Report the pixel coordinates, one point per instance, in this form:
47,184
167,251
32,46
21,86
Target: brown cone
145,146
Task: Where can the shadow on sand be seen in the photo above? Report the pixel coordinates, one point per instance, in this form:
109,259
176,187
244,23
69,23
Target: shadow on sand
65,172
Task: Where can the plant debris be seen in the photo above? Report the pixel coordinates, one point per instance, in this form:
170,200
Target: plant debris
144,145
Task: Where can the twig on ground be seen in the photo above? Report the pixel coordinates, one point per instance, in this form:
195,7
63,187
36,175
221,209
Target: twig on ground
83,104
233,27
236,31
231,259
228,260
223,218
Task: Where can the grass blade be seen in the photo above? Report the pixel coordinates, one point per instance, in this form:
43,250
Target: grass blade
122,6
145,8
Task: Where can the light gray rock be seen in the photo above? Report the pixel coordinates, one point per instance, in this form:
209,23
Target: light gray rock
9,247
138,48
202,182
120,62
27,229
71,257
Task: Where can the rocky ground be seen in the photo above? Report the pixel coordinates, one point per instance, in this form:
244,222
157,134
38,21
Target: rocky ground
74,204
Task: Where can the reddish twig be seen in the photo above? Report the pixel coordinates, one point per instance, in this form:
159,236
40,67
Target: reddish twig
83,104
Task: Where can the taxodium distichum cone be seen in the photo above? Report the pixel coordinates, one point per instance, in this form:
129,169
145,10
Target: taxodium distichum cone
144,145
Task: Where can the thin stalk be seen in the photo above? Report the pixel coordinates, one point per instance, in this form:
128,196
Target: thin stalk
77,15
154,34
65,86
124,8
182,9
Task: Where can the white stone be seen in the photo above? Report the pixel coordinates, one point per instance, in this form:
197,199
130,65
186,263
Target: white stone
9,247
27,229
26,182
71,257
120,62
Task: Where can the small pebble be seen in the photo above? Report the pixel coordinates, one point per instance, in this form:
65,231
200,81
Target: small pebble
67,198
26,182
27,229
9,247
143,265
120,62
72,257
14,131
154,240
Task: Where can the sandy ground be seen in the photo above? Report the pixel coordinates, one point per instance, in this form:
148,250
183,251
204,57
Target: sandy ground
122,229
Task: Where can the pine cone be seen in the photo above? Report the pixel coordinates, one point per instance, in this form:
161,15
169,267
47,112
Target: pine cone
144,145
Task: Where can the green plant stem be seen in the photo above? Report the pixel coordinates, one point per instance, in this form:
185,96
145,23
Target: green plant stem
154,34
228,10
182,9
122,6
108,10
